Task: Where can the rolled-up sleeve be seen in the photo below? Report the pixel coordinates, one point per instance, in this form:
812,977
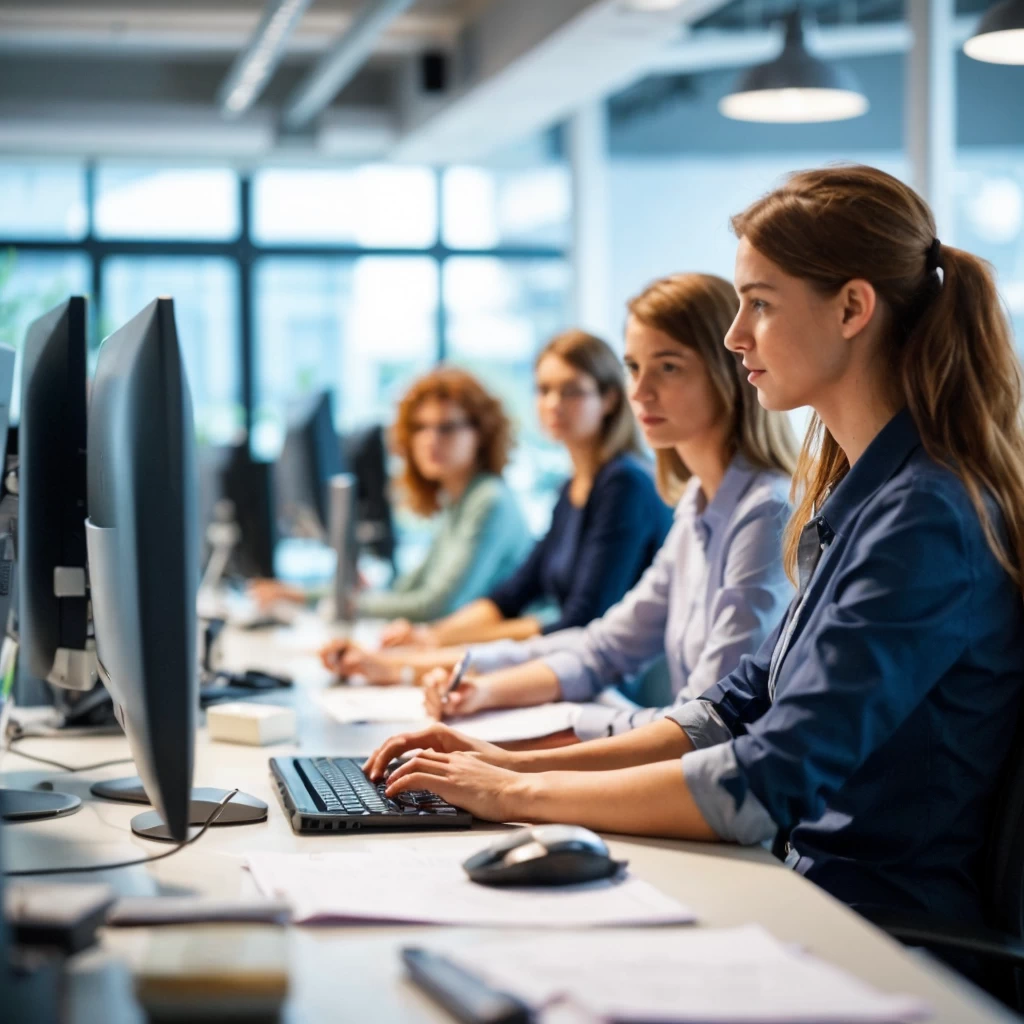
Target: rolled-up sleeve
723,797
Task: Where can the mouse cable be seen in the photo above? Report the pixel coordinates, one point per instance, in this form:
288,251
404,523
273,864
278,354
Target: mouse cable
15,746
214,815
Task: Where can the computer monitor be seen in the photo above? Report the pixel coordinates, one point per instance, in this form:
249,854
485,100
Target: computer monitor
249,486
142,538
365,453
53,602
310,457
52,630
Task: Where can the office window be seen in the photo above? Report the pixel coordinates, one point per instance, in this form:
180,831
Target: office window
364,327
42,201
150,203
989,214
485,208
30,284
500,312
205,292
372,206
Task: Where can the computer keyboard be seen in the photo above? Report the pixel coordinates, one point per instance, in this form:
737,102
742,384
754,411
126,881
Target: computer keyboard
341,788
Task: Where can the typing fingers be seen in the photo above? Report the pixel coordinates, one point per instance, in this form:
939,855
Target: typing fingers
378,761
426,760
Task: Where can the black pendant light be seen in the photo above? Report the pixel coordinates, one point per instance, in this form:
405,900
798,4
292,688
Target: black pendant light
796,87
999,37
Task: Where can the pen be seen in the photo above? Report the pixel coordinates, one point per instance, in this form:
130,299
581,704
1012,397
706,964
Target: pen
461,993
457,673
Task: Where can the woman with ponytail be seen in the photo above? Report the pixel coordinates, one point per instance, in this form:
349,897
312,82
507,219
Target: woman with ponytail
868,734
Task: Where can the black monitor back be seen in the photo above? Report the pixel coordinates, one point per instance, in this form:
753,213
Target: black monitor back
52,493
310,457
365,453
249,486
142,535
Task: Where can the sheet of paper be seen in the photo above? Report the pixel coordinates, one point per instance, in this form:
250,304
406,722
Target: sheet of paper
404,704
733,975
423,882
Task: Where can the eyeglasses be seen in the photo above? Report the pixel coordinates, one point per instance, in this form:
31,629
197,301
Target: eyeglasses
568,393
444,430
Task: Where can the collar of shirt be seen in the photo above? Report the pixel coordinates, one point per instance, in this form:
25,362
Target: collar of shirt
712,516
881,459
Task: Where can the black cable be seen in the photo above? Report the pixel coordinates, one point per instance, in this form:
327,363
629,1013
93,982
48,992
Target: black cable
214,815
15,746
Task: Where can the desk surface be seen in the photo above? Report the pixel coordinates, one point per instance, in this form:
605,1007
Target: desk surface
353,973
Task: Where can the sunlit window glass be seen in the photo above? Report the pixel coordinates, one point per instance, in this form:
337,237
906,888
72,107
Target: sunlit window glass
166,203
31,283
485,208
205,293
42,201
372,205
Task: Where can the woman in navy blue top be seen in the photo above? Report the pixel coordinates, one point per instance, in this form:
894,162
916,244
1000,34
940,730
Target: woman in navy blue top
869,733
607,525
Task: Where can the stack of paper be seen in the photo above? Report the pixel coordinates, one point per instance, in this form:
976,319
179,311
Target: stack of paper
404,705
422,881
733,975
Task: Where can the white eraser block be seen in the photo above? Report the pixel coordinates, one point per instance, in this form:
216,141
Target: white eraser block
256,724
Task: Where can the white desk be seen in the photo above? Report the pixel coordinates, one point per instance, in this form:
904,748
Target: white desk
353,973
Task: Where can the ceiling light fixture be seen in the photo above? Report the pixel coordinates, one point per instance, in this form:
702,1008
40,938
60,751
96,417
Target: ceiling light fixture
795,88
999,37
251,71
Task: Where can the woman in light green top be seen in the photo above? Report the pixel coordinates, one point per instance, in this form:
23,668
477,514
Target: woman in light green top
454,437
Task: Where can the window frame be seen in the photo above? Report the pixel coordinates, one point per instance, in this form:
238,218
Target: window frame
244,252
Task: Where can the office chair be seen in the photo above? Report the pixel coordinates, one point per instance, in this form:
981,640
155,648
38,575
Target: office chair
998,946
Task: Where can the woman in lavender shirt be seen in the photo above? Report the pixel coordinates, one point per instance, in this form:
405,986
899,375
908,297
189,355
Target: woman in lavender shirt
717,587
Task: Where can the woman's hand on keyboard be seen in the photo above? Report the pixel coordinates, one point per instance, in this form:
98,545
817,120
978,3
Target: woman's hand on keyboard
440,738
469,697
466,780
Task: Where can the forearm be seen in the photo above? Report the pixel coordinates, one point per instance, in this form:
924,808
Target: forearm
660,741
651,800
481,632
469,619
520,686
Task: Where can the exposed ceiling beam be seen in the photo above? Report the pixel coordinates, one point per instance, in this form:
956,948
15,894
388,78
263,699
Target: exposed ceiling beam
337,67
176,31
528,66
709,50
253,68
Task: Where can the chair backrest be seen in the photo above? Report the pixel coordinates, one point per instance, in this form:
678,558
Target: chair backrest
1004,882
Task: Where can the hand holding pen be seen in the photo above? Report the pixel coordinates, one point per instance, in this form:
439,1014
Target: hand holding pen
446,694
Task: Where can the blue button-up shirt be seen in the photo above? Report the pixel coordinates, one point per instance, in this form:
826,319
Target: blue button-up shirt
713,593
874,723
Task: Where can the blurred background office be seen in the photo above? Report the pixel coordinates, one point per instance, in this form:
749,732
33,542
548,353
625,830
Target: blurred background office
341,194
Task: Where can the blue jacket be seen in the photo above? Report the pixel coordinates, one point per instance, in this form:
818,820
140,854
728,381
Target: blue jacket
877,730
590,557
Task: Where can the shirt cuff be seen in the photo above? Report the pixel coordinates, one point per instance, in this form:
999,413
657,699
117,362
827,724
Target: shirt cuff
573,678
494,655
701,722
720,791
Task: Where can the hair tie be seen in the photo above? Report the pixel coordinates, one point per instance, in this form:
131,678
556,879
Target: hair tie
931,259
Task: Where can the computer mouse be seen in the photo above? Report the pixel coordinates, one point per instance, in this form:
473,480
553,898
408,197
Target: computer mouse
543,855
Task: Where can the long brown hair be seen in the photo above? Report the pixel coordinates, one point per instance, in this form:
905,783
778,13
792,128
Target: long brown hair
697,310
594,357
948,341
482,409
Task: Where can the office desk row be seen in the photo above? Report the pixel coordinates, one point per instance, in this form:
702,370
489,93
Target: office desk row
353,973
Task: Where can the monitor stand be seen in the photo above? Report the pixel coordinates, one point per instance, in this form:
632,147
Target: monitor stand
31,805
242,809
